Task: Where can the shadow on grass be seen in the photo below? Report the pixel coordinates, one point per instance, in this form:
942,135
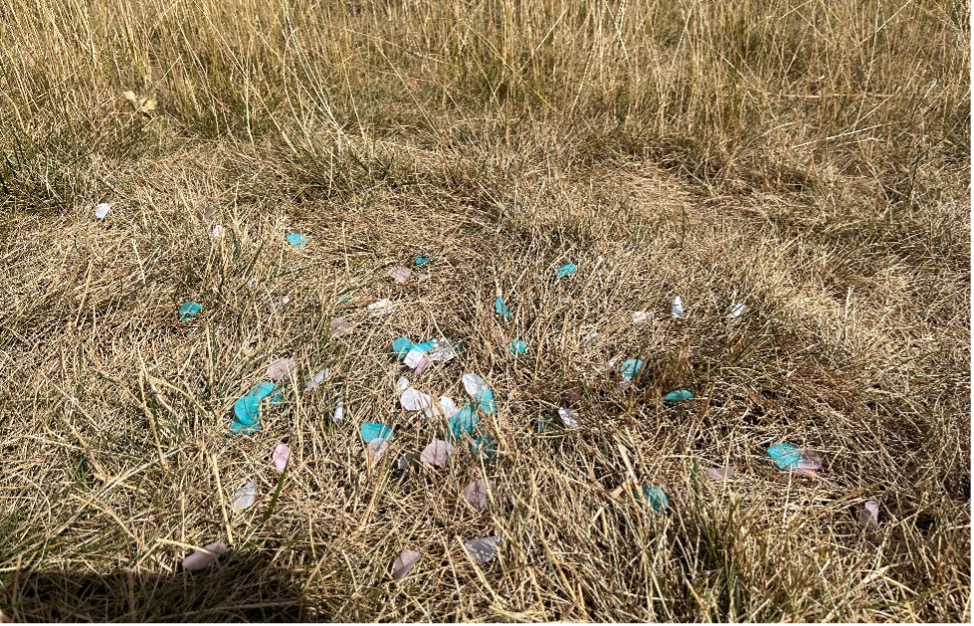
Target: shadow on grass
242,588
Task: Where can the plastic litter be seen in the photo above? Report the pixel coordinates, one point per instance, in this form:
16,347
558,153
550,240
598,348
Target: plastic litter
679,395
298,240
101,210
566,270
405,562
517,346
245,496
501,308
188,310
654,496
676,308
482,550
371,431
630,368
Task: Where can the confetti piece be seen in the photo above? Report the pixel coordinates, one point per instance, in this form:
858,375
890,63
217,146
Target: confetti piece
402,384
566,270
217,231
375,450
485,401
589,338
339,413
423,260
414,400
676,308
405,562
482,550
630,368
477,494
447,407
436,453
339,327
785,456
317,379
869,516
473,384
204,558
464,421
484,447
244,497
400,274
406,460
281,369
298,240
371,431
501,308
380,307
654,496
568,418
401,346
281,456
188,310
101,210
679,395
640,317
721,474
517,346
735,312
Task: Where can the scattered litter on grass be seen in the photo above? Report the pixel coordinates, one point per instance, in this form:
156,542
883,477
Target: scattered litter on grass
630,368
721,474
413,358
484,447
281,369
374,430
406,460
654,496
401,346
477,494
566,270
188,310
735,312
464,421
641,317
501,308
869,516
785,456
482,550
400,274
380,307
589,338
402,384
405,562
436,453
517,346
676,308
101,210
298,240
217,231
442,351
339,413
317,379
568,417
423,260
810,461
447,407
414,400
339,327
246,409
421,366
679,395
375,450
205,557
281,455
473,384
244,497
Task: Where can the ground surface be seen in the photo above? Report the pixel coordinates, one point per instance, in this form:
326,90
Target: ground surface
809,160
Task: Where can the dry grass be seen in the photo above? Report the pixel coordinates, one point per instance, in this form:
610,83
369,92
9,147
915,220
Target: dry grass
809,158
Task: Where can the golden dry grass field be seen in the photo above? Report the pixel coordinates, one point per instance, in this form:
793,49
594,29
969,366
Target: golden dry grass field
809,159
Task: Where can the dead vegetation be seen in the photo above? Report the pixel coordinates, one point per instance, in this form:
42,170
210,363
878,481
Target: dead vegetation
807,158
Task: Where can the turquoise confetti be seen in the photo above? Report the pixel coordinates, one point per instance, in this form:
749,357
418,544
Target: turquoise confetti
401,346
464,421
517,346
631,367
501,308
423,260
484,446
298,240
679,395
566,270
188,310
785,456
373,430
426,346
654,496
246,410
485,401
345,298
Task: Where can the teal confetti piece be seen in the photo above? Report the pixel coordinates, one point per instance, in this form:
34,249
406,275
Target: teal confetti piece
679,395
345,298
484,447
485,401
566,270
188,310
501,308
464,421
631,367
423,260
246,411
654,496
785,456
373,430
298,240
517,346
401,346
425,346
